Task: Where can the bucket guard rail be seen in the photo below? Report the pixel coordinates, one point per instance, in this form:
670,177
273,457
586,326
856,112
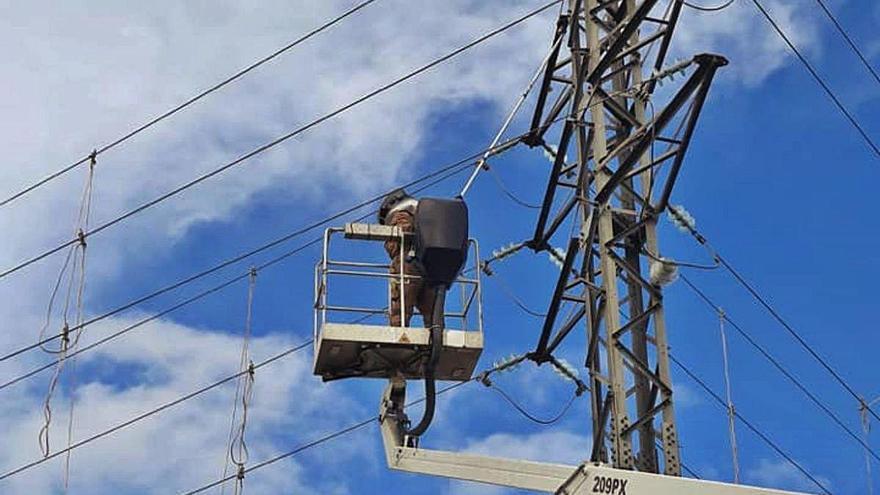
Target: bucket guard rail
356,340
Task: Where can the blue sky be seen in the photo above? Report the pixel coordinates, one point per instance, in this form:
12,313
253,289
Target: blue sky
777,179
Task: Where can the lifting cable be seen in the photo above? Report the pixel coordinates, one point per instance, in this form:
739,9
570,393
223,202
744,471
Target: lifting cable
283,138
205,293
185,104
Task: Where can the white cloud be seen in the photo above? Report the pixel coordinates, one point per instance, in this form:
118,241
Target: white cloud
558,446
78,88
178,360
686,396
781,474
78,74
741,34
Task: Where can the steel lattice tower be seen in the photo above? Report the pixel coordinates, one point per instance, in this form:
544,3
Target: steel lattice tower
618,163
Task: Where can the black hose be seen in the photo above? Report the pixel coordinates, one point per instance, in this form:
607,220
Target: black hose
437,324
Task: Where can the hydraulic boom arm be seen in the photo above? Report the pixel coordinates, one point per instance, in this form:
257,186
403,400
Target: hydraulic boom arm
403,454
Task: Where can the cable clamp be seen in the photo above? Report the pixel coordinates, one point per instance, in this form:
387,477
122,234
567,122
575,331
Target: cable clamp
93,159
240,475
252,272
65,335
81,237
251,370
484,379
485,268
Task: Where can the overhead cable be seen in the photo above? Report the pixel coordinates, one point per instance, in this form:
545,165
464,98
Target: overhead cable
849,116
291,453
481,165
691,229
154,411
714,8
751,427
202,294
356,426
508,291
507,192
441,174
283,138
779,367
526,414
344,431
849,40
190,101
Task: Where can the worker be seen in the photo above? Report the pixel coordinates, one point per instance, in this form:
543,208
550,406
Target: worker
399,210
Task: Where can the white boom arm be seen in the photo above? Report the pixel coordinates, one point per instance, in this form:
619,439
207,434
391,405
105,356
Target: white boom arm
403,454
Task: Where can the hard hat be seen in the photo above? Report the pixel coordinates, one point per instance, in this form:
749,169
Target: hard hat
394,197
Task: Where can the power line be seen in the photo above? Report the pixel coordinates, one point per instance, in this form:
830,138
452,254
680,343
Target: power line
750,426
282,138
338,433
769,357
450,170
508,291
157,410
441,174
526,414
849,116
185,104
127,329
794,333
510,194
692,230
849,40
196,297
291,453
714,8
686,468
351,428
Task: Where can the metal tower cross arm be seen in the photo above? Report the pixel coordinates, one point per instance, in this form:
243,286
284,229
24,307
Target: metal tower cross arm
624,164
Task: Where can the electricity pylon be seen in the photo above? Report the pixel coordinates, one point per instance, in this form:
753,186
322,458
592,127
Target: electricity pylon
619,163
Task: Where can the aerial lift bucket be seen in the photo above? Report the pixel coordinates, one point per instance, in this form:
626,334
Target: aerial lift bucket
368,346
